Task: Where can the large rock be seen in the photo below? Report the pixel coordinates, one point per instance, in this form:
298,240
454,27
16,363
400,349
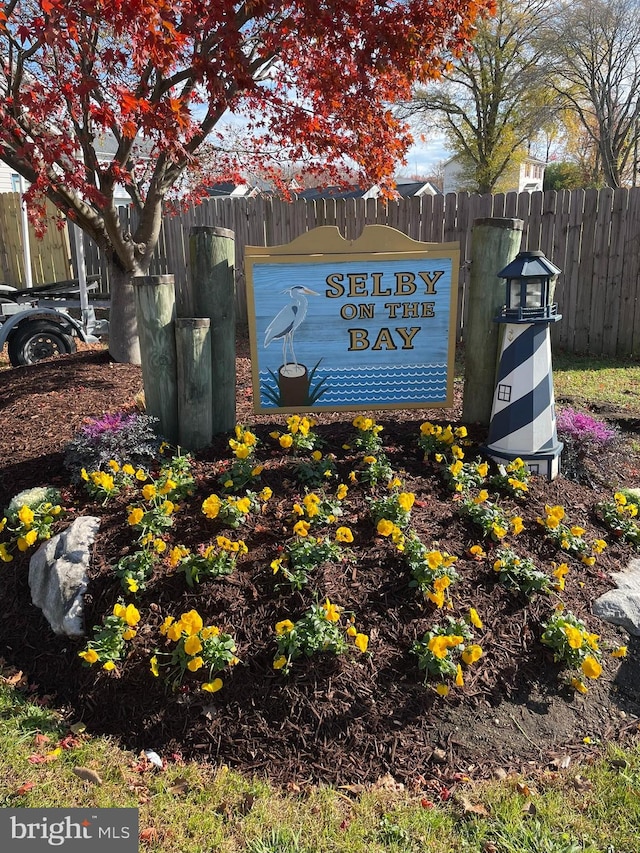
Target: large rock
621,606
58,576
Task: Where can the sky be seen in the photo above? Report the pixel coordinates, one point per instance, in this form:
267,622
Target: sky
424,156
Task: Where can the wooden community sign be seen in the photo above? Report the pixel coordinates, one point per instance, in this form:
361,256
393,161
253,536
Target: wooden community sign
341,324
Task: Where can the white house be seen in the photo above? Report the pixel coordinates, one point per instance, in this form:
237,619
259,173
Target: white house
527,177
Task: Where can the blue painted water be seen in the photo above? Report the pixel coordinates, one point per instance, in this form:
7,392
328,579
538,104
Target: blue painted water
380,385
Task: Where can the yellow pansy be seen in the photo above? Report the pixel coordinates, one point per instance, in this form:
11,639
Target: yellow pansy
25,514
153,666
195,664
109,665
211,506
279,662
574,636
149,492
361,642
285,441
5,556
301,528
344,534
459,676
90,655
471,654
135,516
442,690
475,620
591,667
620,652
284,627
332,613
193,645
191,622
212,686
385,527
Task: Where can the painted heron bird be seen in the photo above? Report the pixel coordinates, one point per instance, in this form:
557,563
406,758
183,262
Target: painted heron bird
287,320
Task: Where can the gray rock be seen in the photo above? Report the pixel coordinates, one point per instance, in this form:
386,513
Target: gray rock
620,607
58,576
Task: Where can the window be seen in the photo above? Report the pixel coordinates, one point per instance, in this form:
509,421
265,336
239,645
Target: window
15,183
504,393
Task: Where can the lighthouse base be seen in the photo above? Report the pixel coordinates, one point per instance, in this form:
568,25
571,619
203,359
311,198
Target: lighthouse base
545,463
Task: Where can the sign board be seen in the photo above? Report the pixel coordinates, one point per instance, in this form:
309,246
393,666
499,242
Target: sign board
341,324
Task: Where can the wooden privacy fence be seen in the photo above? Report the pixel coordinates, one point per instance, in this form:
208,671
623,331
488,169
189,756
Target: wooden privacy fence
50,255
592,235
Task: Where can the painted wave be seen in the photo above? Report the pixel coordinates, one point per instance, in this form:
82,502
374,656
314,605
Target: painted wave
393,385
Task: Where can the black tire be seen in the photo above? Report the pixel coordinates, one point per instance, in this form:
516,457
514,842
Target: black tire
32,341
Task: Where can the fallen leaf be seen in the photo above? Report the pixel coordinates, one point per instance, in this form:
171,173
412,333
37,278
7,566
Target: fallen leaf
529,809
353,789
473,808
523,788
148,834
179,787
23,789
87,775
582,784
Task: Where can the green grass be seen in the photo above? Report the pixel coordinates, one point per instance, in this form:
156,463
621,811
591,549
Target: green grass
191,808
597,380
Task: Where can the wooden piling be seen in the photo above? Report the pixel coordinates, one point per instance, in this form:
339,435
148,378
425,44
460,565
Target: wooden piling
193,351
494,243
212,254
155,311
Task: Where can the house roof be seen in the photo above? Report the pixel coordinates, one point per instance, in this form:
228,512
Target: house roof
417,188
313,193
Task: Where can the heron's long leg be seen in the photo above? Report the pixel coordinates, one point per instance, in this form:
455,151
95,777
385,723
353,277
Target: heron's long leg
293,355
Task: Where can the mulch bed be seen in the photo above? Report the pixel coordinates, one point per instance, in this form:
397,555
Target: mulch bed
347,720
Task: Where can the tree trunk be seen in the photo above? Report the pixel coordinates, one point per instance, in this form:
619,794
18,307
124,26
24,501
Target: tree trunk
124,345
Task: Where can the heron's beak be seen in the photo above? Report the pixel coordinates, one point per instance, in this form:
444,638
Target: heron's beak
310,292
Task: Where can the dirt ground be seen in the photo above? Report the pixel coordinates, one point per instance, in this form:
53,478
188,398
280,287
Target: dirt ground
344,720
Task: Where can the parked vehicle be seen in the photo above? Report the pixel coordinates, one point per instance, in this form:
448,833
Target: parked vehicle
37,323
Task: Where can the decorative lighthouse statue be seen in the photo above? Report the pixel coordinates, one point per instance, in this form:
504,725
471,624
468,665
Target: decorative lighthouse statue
523,418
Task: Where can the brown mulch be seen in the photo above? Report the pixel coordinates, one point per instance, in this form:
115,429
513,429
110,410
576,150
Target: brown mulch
345,720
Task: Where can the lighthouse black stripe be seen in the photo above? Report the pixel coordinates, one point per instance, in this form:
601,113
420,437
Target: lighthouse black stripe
521,413
528,342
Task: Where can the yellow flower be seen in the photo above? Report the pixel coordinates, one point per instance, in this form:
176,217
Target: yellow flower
84,475
191,622
211,506
481,497
517,525
498,531
301,528
342,491
406,500
131,615
141,475
153,666
5,556
168,507
591,667
90,655
135,516
212,686
129,634
578,685
353,477
242,451
316,456
442,690
119,610
482,469
279,662
108,665
25,515
441,643
128,469
344,534
192,645
168,622
113,465
209,631
620,652
475,620
159,546
385,527
477,552
598,546
574,636
27,540
361,642
285,441
461,432
459,676
265,494
174,631
471,654
149,492
195,664
276,565
352,631
588,561
244,505
369,460
284,627
332,613
176,554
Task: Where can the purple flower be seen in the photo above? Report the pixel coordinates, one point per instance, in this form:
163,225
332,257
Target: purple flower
583,427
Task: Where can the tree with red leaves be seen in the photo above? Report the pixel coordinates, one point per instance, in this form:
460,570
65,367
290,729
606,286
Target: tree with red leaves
314,80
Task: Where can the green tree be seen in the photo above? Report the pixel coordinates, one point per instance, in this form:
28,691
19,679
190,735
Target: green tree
491,102
564,175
